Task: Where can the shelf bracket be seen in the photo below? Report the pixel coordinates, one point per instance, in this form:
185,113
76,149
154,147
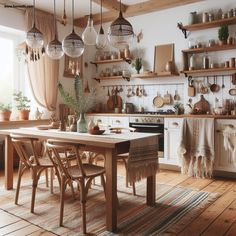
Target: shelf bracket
126,78
98,80
184,31
128,60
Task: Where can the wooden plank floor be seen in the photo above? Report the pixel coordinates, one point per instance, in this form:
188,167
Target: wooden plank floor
218,219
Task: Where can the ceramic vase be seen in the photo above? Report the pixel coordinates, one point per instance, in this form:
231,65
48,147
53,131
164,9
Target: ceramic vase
82,124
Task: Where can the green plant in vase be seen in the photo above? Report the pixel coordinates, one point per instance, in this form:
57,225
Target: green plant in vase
223,34
22,104
81,102
5,112
137,64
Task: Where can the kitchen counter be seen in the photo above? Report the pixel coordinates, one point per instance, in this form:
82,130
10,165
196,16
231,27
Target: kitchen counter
165,115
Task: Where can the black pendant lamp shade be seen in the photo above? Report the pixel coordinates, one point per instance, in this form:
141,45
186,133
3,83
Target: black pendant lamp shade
120,32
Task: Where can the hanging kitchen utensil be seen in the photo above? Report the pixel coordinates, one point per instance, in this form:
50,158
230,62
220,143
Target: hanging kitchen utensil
223,82
191,88
137,91
203,89
215,87
167,98
158,101
108,92
233,79
176,96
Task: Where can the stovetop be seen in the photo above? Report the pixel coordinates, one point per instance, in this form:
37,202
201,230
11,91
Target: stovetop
159,112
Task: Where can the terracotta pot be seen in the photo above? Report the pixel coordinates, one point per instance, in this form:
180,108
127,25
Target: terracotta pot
5,115
24,114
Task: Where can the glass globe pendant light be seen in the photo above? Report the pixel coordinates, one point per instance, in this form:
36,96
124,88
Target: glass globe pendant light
101,39
73,45
89,35
120,33
54,48
34,37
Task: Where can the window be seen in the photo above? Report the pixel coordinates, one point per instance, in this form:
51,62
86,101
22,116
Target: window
13,72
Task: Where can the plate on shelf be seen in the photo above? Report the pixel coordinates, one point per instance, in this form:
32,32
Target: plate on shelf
96,132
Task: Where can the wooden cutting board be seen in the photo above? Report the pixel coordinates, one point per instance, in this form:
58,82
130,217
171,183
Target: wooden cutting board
202,106
167,98
114,101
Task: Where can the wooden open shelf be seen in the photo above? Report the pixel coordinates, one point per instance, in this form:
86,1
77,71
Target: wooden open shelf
226,71
212,24
210,49
128,60
144,75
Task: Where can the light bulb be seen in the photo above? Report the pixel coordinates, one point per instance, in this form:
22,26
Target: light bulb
101,39
89,35
54,49
73,45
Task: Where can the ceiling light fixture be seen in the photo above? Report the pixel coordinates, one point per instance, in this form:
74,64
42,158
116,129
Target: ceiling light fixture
89,35
120,33
101,39
54,48
73,45
34,37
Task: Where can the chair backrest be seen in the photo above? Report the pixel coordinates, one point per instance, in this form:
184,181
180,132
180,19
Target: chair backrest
56,146
21,144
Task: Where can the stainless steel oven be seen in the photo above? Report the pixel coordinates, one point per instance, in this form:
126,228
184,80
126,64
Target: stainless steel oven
149,124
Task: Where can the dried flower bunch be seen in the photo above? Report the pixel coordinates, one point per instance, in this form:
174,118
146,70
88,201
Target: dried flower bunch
81,102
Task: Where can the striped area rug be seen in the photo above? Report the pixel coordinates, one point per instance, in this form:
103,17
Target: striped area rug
175,208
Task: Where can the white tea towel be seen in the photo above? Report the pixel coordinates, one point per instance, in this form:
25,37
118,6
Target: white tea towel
196,150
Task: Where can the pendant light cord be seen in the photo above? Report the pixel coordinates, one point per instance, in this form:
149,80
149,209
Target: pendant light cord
101,13
34,14
90,8
55,24
73,15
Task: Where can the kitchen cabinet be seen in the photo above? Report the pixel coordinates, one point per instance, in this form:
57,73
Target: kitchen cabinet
223,158
102,121
117,121
172,128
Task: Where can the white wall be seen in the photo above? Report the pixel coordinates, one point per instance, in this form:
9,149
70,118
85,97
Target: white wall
161,28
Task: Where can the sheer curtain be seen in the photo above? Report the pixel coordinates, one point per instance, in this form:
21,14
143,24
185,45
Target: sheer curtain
43,73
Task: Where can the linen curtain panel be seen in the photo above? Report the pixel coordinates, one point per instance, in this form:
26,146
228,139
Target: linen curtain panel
43,73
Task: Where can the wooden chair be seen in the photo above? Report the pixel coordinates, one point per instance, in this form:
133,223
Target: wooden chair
35,163
82,173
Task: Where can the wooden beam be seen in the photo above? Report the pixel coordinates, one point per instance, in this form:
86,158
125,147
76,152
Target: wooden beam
135,10
112,5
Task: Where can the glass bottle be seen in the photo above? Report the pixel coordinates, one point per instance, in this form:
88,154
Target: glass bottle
192,62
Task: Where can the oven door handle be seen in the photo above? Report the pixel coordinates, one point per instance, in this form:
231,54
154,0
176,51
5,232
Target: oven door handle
146,126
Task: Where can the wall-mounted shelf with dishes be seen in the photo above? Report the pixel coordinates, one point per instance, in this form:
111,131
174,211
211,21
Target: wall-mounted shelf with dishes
154,75
206,25
111,78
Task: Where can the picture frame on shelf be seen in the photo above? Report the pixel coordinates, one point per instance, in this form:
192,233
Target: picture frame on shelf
73,66
162,55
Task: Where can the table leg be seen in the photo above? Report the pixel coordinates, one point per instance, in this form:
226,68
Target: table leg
151,190
8,163
111,190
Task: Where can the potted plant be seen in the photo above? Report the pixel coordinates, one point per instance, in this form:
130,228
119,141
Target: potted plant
80,102
22,105
223,34
137,64
5,112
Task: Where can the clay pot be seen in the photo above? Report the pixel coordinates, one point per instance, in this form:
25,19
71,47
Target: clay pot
24,114
5,115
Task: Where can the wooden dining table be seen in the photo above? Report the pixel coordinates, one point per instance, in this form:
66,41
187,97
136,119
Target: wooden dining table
109,144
